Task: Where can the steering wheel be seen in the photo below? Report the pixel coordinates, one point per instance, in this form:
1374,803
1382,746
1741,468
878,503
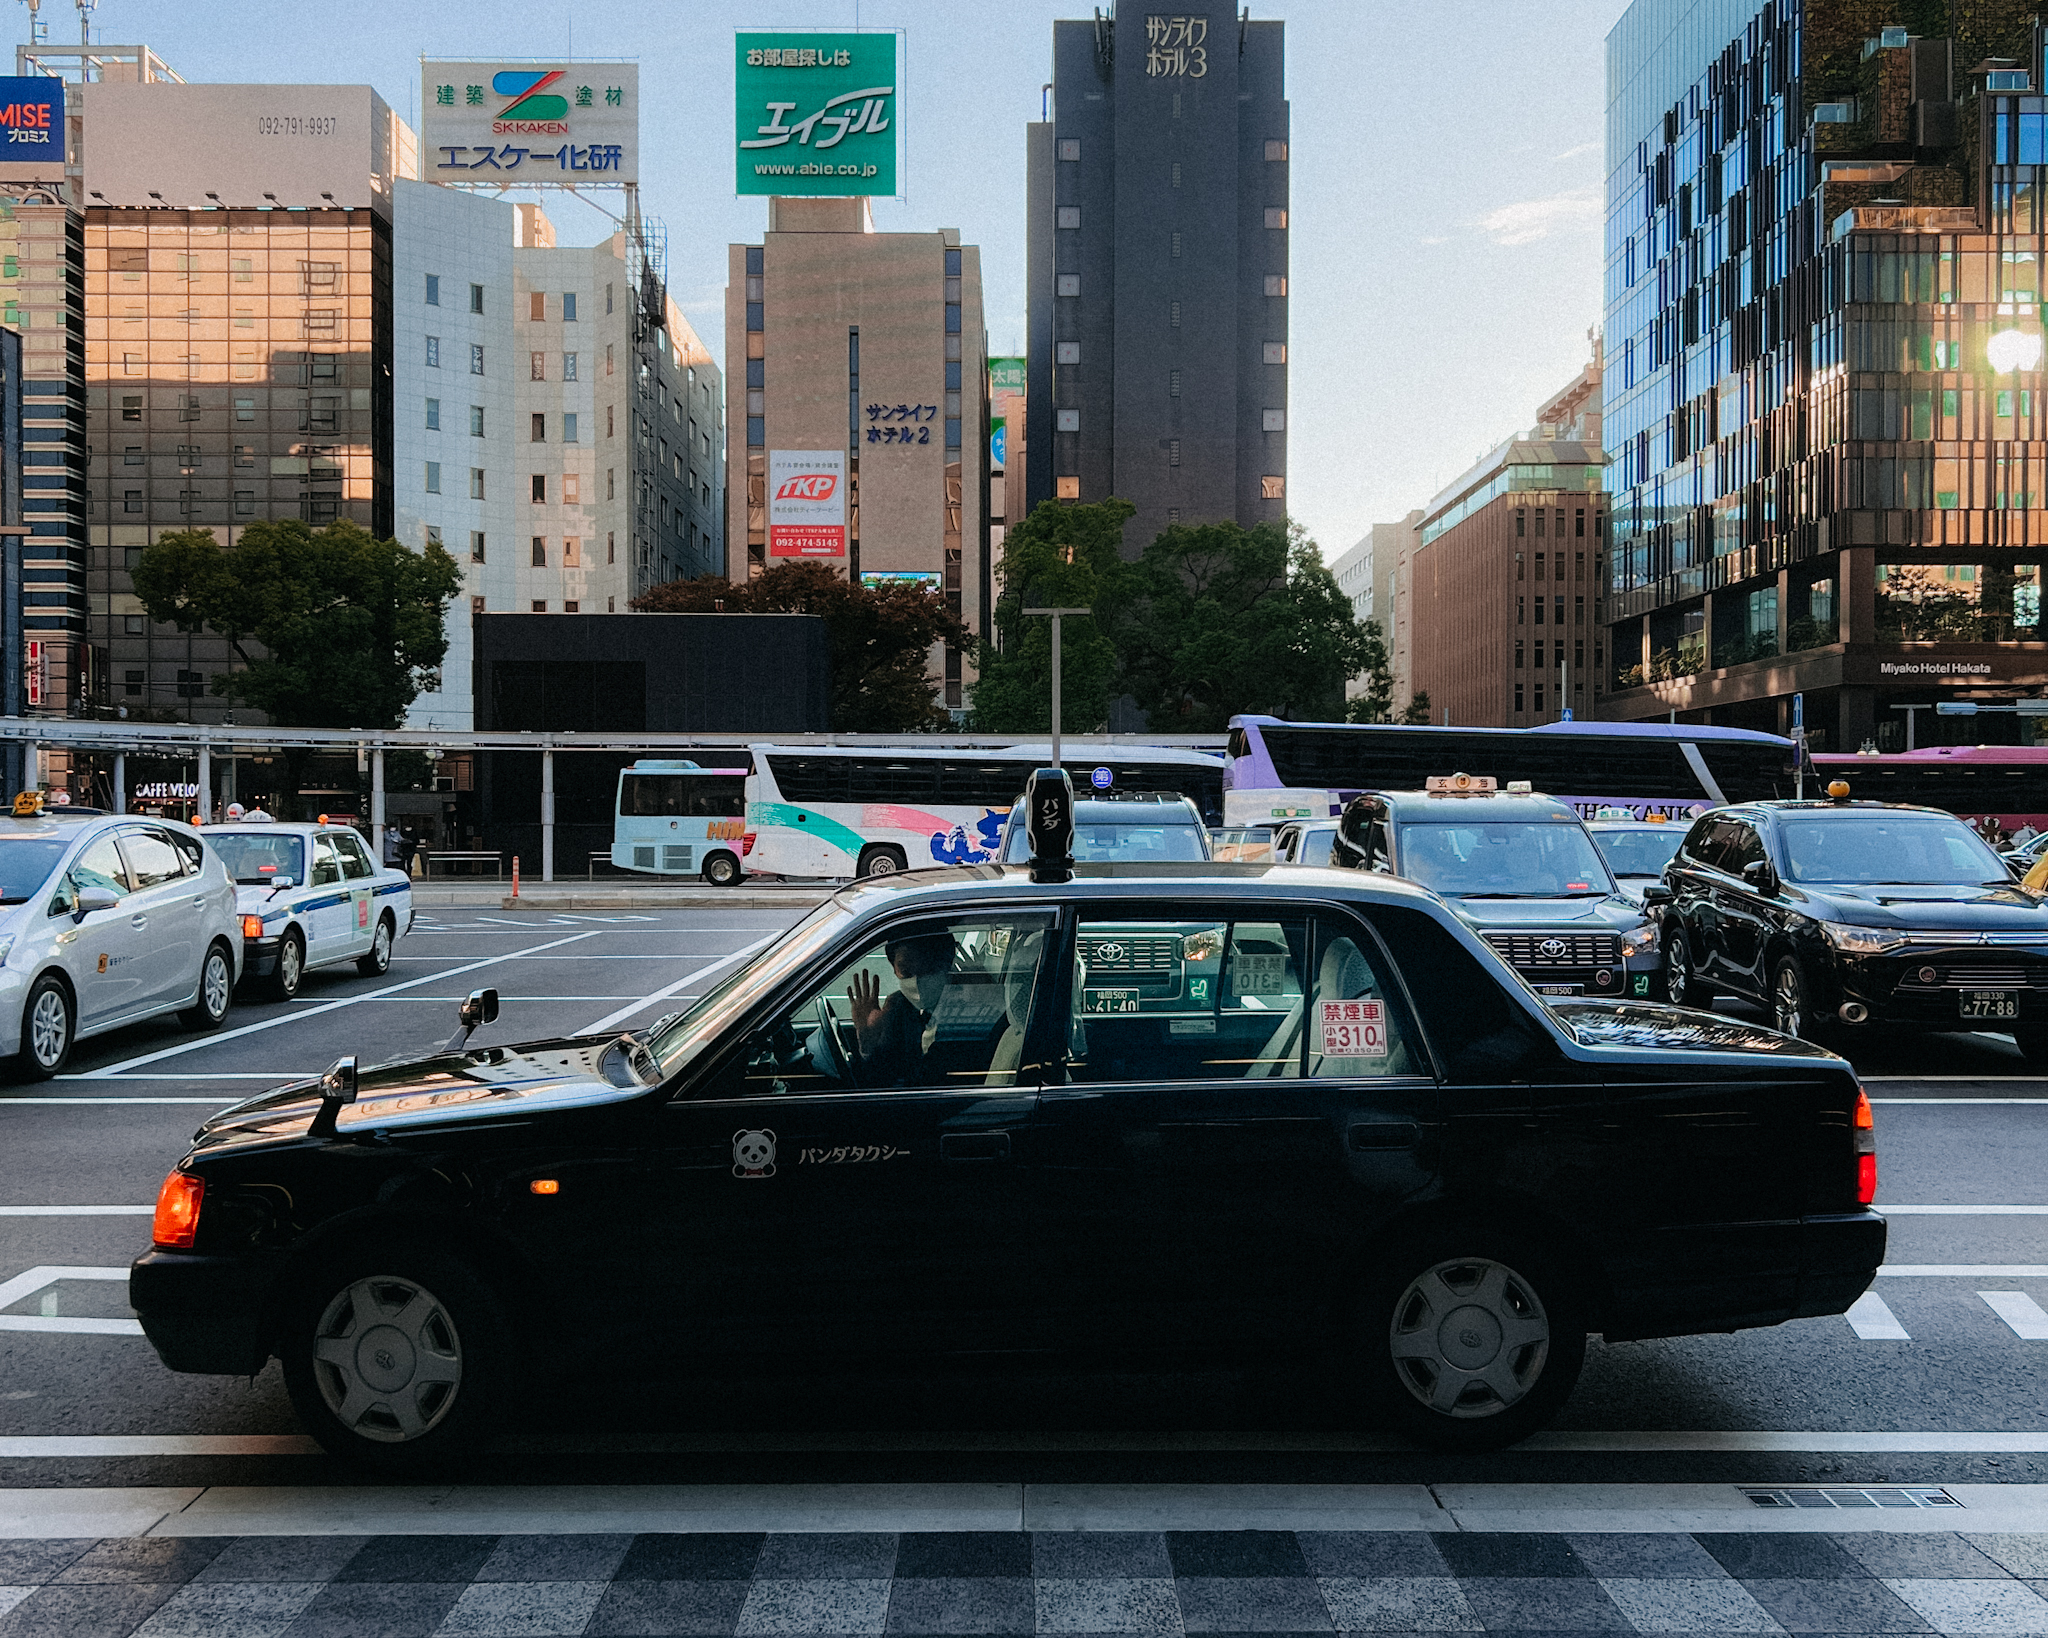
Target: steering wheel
832,1058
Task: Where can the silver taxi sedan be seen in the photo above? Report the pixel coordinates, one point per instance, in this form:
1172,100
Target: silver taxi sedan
308,896
104,921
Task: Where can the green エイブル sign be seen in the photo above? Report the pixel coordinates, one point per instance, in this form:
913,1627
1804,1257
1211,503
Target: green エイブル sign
815,113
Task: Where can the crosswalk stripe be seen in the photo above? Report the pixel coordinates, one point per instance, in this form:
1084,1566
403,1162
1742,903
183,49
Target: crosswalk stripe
2019,1311
1872,1319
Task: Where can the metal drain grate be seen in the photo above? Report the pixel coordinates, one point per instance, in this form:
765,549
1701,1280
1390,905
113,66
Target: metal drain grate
1839,1496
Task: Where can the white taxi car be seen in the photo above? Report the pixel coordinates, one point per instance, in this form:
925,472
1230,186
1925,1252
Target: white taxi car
107,920
309,895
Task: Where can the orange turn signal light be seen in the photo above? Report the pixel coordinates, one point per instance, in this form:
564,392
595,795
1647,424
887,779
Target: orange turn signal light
252,927
177,1211
545,1185
1864,1122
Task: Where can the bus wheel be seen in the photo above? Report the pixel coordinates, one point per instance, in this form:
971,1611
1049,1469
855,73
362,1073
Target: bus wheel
880,861
722,870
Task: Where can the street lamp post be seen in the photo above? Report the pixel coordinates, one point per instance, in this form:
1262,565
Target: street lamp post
1056,616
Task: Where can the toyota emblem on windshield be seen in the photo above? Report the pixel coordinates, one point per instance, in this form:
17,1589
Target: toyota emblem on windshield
1552,947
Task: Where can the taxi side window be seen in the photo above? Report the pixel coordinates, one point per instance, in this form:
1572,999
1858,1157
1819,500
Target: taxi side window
355,863
190,852
1356,1023
1741,846
1480,1032
100,866
326,865
152,860
1191,998
942,1004
1701,846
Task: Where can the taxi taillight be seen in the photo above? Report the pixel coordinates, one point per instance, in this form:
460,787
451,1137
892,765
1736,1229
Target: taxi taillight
252,927
1866,1150
177,1211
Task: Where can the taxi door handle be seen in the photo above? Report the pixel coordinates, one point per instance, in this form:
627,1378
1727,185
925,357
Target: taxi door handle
974,1146
138,921
1397,1134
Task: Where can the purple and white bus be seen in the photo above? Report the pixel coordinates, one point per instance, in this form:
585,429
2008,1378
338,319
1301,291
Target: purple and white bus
1275,771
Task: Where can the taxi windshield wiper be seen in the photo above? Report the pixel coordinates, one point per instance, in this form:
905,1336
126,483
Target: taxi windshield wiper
1510,895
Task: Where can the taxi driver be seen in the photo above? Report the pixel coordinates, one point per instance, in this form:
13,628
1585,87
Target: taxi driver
891,1037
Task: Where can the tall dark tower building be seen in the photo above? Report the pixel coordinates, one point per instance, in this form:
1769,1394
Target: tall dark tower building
1158,269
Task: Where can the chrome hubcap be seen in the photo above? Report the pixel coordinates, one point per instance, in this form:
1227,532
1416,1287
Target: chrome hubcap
387,1359
380,949
289,964
48,1028
214,985
881,865
1790,1007
1676,973
1469,1338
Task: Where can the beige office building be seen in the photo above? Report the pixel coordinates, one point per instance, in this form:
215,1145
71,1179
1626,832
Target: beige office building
839,338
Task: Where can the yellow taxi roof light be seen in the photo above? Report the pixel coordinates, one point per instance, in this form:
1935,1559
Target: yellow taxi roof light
1838,790
1459,784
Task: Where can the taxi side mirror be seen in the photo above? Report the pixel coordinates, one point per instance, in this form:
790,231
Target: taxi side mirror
91,899
1656,897
337,1090
1763,876
478,1008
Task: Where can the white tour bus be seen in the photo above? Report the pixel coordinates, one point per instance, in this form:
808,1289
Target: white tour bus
680,819
866,811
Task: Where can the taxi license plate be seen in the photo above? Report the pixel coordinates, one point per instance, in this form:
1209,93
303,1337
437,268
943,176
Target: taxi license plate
1991,1003
1109,1000
1560,989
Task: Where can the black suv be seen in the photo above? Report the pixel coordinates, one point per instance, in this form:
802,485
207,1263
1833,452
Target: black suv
1838,916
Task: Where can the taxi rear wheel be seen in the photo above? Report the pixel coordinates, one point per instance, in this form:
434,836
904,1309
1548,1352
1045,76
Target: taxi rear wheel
378,961
48,1026
1792,1009
291,966
1682,987
1479,1349
395,1361
216,992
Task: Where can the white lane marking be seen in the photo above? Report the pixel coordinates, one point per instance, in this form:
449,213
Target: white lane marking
77,1211
1965,1271
1960,1101
159,1444
1871,1318
2020,1311
113,1071
27,1284
645,1002
1964,1211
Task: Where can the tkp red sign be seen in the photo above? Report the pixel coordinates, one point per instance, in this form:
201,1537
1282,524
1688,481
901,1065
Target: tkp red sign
809,486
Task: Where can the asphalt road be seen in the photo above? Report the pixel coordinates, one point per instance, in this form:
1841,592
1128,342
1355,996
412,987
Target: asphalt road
1956,1348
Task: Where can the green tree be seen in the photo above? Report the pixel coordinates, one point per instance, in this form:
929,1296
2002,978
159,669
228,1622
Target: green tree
1219,620
879,637
1061,556
1376,704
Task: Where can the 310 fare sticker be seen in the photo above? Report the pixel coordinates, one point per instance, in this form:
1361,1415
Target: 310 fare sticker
1351,1029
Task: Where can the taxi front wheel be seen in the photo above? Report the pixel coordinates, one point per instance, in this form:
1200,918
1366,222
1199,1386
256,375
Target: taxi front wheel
1479,1349
48,1024
394,1361
377,961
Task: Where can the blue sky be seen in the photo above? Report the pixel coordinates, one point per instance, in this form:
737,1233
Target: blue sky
1446,175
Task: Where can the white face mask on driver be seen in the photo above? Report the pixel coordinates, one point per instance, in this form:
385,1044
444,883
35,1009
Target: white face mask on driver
923,989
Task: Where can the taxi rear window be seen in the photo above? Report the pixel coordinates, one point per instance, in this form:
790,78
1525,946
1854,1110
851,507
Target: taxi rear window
261,858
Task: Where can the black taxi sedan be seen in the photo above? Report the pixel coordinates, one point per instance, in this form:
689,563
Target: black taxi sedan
1143,1110
1842,917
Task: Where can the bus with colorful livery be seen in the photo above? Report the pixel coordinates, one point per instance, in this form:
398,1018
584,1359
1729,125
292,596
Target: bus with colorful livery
676,818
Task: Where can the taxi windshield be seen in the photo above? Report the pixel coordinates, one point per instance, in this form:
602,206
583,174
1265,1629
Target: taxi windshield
679,1037
26,863
1503,859
1639,852
1095,844
262,857
1890,850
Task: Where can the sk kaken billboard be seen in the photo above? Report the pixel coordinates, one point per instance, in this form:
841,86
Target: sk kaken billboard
521,123
815,113
806,503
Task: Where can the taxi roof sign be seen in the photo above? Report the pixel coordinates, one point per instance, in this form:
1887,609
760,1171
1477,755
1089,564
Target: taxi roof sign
28,804
1460,784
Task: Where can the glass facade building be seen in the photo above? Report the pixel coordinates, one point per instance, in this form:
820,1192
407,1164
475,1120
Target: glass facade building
1823,362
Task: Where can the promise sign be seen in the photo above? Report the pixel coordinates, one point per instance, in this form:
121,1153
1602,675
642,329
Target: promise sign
815,114
806,503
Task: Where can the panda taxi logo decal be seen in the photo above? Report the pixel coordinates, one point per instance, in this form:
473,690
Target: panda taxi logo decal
753,1154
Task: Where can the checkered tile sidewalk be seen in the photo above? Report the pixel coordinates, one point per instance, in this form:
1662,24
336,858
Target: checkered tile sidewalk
1239,1582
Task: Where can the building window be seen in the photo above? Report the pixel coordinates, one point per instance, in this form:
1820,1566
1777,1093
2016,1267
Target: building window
540,489
188,501
572,552
131,681
433,352
1174,175
568,307
1275,149
1518,697
131,407
610,428
572,607
476,545
433,477
1066,420
1518,654
476,420
1275,217
1521,520
132,625
476,483
131,363
1067,284
1276,284
131,500
540,367
1173,383
1521,611
476,605
1070,148
608,358
569,429
540,429
1272,488
476,359
132,455
1176,244
611,488
1275,352
1066,352
569,367
476,298
1173,452
610,546
1067,488
433,415
572,489
1068,216
537,306
1274,420
540,551
433,290
539,605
